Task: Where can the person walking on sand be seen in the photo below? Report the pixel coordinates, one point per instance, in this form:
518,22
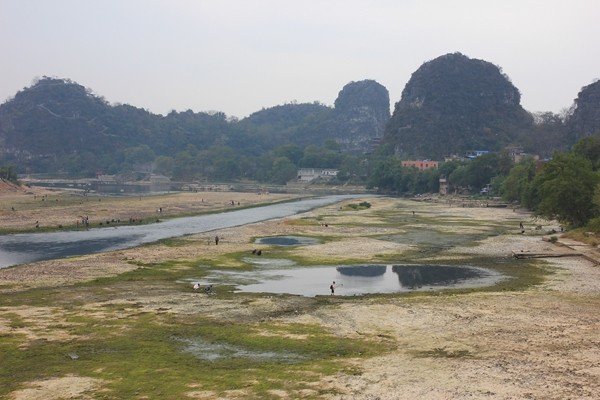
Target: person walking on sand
217,240
332,288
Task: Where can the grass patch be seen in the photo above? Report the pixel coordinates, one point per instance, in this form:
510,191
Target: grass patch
232,260
165,273
583,235
304,221
364,205
145,356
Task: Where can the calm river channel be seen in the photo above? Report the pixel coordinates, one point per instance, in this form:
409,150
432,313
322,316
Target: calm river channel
25,248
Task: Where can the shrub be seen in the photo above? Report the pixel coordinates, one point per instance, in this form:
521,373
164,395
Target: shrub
593,225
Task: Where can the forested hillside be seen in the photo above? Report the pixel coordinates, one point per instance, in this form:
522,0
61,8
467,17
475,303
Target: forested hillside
57,125
360,114
585,117
450,105
453,104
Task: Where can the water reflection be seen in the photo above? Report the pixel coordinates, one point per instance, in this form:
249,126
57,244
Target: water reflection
416,276
356,279
362,270
287,240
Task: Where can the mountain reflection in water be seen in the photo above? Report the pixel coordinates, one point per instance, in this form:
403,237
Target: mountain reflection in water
287,240
416,276
354,280
362,270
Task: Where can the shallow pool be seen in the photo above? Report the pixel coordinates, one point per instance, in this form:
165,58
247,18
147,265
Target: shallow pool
287,240
351,280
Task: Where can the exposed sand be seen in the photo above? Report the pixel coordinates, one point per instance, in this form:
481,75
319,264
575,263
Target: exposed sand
543,343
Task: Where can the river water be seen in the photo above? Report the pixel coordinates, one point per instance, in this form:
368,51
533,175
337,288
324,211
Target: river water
25,248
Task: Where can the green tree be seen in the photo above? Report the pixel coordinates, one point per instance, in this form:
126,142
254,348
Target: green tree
139,155
320,157
332,145
477,173
427,181
291,151
386,175
220,163
8,172
262,168
283,171
353,168
565,189
589,147
164,165
185,166
517,185
446,168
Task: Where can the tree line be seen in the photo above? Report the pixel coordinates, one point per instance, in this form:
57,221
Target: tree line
8,173
565,187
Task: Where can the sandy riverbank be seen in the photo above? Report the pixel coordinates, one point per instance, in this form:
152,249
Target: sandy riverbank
541,343
23,208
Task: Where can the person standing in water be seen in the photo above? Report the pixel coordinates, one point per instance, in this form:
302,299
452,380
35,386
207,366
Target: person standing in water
332,287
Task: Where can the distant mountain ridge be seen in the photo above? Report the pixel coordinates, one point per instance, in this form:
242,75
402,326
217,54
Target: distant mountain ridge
58,118
450,105
585,117
360,114
454,103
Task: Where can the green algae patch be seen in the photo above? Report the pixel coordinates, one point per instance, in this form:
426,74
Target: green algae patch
153,355
364,205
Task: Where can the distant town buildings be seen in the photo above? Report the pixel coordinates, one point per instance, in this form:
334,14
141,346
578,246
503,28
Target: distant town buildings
516,153
475,153
421,165
468,155
310,174
443,185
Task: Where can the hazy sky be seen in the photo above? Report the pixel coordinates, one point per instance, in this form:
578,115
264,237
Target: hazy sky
238,56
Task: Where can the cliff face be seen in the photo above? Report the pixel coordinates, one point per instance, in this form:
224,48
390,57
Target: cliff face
362,110
585,119
453,104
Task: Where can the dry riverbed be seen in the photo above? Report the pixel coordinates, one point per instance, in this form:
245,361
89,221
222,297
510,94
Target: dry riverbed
540,342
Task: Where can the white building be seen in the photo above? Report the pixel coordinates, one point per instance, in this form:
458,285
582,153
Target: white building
310,174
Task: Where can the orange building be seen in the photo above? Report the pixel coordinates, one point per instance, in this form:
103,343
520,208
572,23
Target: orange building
421,165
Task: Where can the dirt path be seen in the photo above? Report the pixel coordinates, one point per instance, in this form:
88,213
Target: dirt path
542,343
